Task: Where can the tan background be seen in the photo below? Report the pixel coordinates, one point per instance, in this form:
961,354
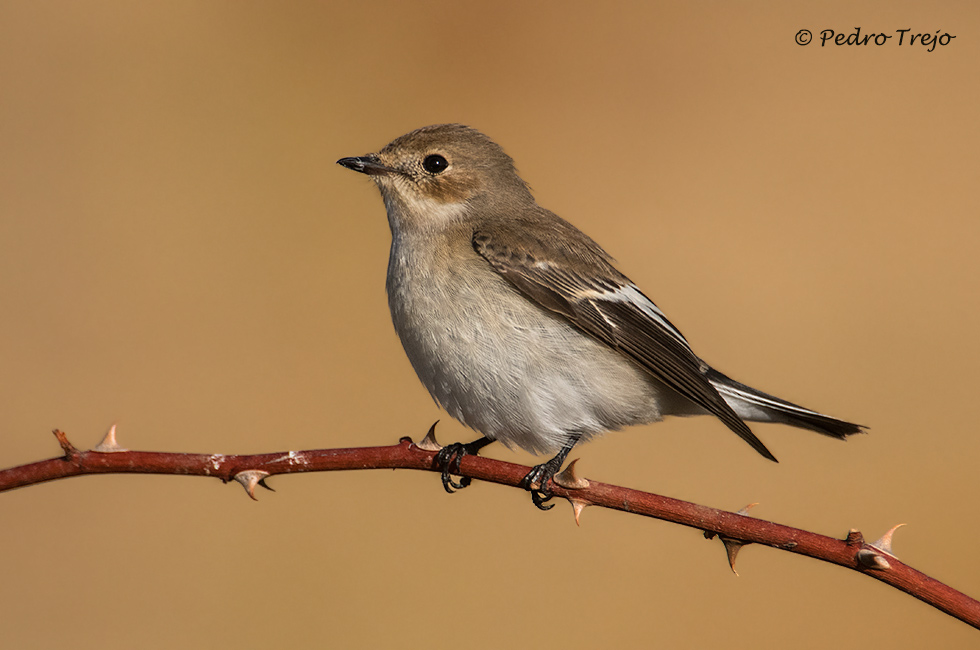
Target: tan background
179,253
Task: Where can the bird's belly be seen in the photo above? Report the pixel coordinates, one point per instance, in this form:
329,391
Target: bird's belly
515,372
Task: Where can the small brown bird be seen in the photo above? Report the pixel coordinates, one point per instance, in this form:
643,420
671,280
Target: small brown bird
519,325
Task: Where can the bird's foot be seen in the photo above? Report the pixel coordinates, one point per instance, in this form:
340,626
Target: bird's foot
536,482
449,459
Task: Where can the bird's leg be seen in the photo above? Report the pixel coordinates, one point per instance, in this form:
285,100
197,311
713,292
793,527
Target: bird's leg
542,473
449,458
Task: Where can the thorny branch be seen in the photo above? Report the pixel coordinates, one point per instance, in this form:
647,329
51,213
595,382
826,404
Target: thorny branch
734,529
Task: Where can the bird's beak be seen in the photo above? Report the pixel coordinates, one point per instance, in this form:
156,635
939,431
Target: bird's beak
368,164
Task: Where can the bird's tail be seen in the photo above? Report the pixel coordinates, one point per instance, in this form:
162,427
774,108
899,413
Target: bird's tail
755,406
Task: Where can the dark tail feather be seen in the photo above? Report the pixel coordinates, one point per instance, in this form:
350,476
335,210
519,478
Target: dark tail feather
749,437
754,405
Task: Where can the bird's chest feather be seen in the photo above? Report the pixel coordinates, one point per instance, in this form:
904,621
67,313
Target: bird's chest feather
453,313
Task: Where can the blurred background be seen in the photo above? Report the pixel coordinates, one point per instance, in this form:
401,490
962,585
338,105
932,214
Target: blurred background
180,254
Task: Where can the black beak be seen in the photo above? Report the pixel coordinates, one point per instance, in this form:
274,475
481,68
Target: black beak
368,164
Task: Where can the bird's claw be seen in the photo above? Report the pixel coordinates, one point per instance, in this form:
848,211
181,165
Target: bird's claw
540,497
536,483
449,459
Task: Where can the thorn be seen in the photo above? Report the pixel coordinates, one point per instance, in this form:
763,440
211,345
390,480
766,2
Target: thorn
568,479
109,443
732,547
577,508
71,452
872,555
429,443
249,478
884,543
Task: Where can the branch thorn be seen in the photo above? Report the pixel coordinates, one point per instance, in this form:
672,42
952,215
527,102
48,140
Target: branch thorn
109,443
429,443
884,543
577,507
873,555
249,478
568,479
732,546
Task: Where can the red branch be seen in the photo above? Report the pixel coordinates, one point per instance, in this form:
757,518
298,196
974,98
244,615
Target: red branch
735,529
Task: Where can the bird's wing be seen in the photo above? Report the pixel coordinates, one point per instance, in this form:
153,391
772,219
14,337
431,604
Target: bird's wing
578,282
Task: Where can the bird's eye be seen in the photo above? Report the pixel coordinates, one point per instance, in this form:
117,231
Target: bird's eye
435,164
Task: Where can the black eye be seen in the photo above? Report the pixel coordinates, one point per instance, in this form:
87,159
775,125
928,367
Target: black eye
435,164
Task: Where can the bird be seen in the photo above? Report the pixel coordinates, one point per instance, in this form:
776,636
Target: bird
519,324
